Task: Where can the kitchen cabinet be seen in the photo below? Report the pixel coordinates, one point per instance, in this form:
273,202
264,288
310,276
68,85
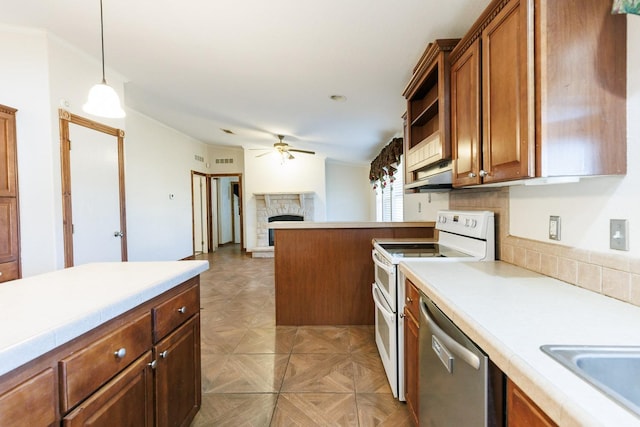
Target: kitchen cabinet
31,403
9,218
141,368
127,400
177,354
411,349
427,130
538,89
522,411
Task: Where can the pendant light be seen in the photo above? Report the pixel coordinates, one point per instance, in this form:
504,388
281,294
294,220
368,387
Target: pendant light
103,101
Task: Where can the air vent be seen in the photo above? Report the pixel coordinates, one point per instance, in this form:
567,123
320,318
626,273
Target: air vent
218,161
199,158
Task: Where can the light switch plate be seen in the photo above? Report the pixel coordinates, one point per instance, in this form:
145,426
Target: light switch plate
554,227
619,234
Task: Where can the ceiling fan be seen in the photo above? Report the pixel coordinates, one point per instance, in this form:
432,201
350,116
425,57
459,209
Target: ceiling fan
285,150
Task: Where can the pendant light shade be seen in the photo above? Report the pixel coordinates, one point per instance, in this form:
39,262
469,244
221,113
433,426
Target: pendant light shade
103,101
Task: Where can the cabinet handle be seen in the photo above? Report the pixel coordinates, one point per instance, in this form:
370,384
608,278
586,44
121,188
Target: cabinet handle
483,173
409,300
164,354
182,309
153,364
122,352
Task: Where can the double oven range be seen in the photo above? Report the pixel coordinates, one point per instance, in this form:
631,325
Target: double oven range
462,236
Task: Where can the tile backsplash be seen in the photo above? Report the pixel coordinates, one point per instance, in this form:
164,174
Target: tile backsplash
613,275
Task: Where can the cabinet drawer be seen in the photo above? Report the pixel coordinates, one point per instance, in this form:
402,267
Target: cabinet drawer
412,300
172,313
31,403
84,372
8,271
127,400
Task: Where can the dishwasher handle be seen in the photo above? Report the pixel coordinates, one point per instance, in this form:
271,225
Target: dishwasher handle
445,346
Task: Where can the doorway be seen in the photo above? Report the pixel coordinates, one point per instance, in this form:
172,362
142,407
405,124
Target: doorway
217,211
92,168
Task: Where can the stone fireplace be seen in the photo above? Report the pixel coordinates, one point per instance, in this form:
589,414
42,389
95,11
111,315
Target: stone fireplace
270,205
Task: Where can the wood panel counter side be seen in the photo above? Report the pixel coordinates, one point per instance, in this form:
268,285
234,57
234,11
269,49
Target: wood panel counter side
323,276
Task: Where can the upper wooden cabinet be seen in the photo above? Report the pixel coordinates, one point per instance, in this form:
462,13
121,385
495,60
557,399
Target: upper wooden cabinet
427,131
538,89
9,214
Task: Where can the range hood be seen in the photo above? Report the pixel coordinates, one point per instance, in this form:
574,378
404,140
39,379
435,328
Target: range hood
435,178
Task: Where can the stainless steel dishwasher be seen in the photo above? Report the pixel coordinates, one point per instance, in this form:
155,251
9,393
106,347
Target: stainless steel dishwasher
456,378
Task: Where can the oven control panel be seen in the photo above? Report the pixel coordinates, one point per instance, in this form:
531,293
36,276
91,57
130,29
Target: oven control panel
466,223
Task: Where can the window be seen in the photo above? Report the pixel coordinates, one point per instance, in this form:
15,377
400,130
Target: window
389,197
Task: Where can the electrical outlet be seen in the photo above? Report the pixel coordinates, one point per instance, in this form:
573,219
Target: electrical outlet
554,227
619,234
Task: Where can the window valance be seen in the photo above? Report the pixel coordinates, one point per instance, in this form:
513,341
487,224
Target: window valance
382,164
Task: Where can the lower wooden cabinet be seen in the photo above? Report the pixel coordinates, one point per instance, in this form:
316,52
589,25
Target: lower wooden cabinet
31,403
126,372
126,400
178,392
411,350
522,411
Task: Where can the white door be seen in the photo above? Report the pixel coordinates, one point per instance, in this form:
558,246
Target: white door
199,214
95,196
214,213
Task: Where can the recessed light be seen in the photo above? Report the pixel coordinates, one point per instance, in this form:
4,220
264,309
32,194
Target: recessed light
338,98
230,132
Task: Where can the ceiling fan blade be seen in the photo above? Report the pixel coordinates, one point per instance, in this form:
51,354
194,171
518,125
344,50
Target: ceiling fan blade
302,151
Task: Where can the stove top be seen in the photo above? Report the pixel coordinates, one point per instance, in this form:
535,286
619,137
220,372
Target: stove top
421,250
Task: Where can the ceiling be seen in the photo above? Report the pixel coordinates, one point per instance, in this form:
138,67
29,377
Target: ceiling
261,68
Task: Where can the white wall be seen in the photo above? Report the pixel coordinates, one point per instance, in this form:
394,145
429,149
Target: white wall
158,162
24,84
349,194
266,175
586,207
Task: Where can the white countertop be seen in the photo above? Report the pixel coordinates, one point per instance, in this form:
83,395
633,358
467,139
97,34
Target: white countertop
293,225
510,312
42,312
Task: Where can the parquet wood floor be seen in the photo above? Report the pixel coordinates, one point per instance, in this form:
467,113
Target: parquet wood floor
259,375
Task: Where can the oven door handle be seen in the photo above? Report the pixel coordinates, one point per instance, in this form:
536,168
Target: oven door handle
450,345
390,269
376,300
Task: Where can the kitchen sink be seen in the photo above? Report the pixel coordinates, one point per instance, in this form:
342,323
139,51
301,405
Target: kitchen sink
614,370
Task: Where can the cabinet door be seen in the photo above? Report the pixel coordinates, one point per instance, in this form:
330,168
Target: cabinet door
465,117
522,412
8,179
8,229
178,390
125,401
507,75
32,403
411,361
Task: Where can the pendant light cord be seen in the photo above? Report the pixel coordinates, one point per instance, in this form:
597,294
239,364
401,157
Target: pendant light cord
104,80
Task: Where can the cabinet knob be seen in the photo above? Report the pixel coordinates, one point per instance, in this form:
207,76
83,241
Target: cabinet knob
182,309
153,364
120,353
484,173
164,354
472,175
409,300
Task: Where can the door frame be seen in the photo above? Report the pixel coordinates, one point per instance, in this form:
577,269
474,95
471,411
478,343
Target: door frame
65,118
210,207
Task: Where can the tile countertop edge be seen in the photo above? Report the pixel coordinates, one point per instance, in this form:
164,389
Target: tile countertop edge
301,225
559,403
32,347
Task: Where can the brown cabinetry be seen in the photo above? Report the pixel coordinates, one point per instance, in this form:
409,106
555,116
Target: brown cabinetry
118,373
9,225
427,132
538,90
522,412
411,349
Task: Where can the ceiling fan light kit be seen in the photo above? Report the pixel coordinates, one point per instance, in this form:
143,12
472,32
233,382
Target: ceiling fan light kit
103,101
284,150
